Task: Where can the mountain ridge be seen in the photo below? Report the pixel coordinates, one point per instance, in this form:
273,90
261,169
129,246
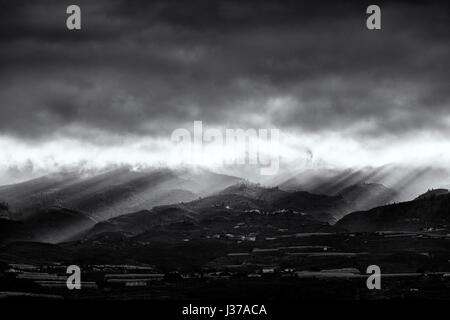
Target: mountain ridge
415,215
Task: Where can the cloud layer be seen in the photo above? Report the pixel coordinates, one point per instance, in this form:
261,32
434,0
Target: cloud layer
143,68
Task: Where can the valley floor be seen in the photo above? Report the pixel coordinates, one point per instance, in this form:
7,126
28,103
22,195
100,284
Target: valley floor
285,266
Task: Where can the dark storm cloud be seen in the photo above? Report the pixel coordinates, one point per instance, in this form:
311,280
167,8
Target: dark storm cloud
146,67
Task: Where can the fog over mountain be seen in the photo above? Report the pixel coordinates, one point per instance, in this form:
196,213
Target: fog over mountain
112,93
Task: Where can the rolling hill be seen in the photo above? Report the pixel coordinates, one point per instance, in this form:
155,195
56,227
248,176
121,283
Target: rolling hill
255,191
112,193
142,221
428,213
432,193
236,204
54,224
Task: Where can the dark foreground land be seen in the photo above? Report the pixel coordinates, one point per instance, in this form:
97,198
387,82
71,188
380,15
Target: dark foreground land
278,266
244,242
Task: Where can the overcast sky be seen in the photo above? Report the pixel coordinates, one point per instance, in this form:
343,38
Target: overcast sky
115,90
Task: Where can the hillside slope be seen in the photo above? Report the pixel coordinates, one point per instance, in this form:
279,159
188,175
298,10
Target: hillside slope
421,214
